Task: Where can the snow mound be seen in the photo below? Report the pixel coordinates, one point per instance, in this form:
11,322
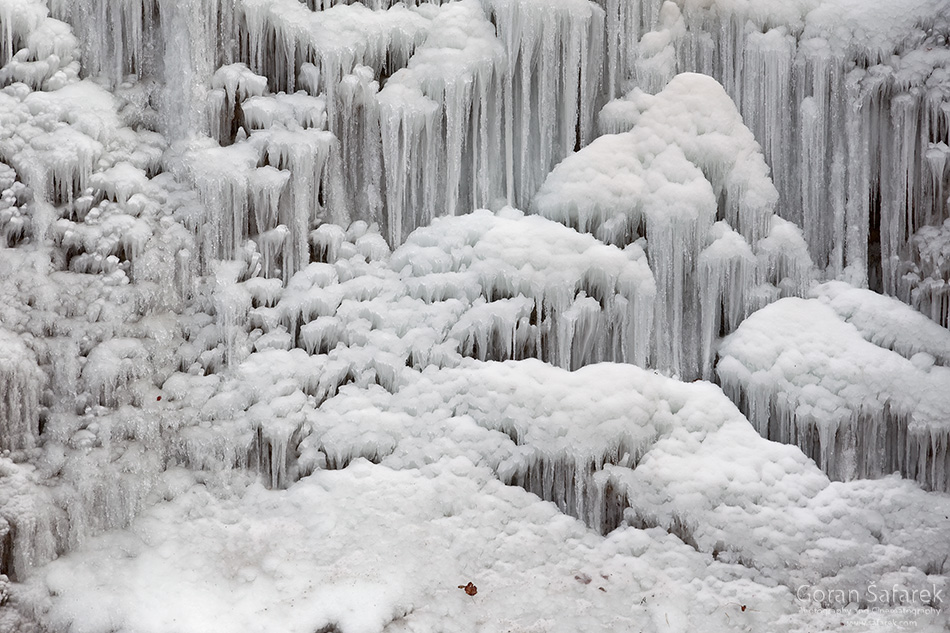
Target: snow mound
807,375
887,322
686,162
367,574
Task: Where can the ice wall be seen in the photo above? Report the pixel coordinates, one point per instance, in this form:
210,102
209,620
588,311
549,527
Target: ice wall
825,154
536,70
837,93
227,262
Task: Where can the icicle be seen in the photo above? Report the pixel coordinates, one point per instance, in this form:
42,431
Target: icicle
898,192
656,54
112,368
306,155
403,120
438,114
221,177
333,42
265,186
21,384
536,71
726,273
936,156
232,85
232,303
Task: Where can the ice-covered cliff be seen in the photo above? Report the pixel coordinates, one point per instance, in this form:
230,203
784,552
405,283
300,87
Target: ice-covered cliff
313,312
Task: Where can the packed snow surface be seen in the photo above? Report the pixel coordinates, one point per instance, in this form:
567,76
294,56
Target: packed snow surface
383,544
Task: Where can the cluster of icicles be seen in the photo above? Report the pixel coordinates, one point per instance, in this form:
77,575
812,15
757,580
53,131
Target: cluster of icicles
291,120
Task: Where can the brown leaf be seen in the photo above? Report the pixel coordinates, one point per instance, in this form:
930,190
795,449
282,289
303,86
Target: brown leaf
470,589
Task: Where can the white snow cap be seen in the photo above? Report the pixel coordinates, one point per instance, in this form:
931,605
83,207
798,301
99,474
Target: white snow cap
686,162
818,373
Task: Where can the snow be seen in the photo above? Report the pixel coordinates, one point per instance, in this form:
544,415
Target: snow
376,518
280,352
807,376
887,322
446,85
850,89
674,166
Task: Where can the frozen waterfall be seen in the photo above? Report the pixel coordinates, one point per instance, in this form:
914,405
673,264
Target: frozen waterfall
633,313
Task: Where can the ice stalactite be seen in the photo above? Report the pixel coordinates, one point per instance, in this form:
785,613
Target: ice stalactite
669,172
280,37
814,374
22,382
358,129
231,85
551,87
441,122
177,43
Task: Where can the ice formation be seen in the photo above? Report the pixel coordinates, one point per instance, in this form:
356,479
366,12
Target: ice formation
837,93
425,471
681,170
843,378
280,352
